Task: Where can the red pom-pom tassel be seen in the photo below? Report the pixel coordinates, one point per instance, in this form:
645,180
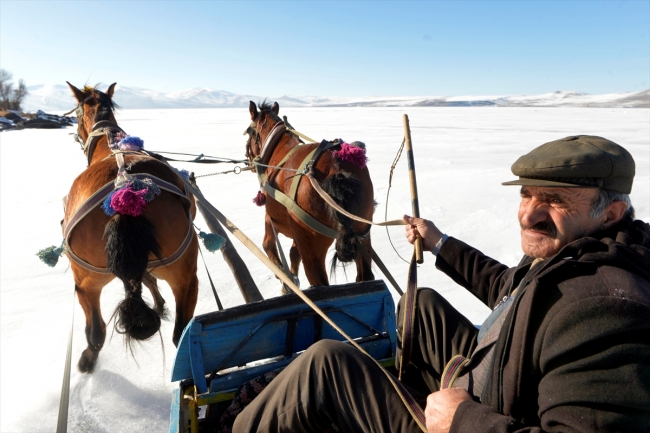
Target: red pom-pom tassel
260,199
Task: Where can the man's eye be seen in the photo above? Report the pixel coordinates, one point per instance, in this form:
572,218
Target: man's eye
556,201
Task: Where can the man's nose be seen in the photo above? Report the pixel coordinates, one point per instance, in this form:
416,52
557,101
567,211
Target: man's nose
533,212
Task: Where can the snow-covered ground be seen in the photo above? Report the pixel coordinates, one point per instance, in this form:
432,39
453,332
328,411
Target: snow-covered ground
461,154
57,97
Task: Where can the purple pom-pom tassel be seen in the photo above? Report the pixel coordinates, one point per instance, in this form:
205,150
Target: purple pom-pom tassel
260,199
106,206
125,201
131,143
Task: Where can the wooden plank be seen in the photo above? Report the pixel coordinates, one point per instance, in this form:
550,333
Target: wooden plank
240,271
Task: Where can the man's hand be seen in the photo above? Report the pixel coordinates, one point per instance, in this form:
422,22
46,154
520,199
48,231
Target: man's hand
441,407
425,229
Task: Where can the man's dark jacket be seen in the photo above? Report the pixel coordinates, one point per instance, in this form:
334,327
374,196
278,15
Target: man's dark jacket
574,352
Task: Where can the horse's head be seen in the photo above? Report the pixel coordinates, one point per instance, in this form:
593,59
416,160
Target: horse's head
262,123
93,106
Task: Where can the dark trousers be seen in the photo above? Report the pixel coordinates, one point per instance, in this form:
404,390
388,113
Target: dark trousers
333,384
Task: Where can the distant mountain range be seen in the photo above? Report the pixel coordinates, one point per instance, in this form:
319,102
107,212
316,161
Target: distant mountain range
58,97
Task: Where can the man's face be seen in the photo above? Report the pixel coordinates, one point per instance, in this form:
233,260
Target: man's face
551,218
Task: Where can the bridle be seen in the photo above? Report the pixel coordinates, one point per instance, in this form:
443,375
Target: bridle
265,149
253,137
100,129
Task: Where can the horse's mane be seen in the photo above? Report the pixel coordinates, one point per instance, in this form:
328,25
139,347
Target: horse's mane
103,98
265,106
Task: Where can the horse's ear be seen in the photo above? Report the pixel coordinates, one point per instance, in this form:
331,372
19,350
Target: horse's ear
110,90
78,94
252,108
275,108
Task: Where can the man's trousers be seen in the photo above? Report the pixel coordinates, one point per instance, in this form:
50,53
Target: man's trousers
333,386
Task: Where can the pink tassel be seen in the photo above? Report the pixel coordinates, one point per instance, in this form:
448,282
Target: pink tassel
260,199
352,154
125,201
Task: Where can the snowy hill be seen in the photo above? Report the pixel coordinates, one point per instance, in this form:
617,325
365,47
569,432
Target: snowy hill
58,97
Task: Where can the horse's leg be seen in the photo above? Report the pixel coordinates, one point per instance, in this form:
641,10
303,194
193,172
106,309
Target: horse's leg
186,292
364,261
181,277
313,250
158,301
294,256
269,244
89,295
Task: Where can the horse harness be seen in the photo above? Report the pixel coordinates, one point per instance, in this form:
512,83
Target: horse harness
289,201
100,129
106,128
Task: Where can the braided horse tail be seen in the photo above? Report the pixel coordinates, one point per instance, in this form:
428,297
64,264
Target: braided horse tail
129,241
345,189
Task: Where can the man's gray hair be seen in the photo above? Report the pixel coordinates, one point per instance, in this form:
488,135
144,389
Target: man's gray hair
605,198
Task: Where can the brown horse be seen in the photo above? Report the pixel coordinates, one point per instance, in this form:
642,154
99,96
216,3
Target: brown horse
347,183
158,243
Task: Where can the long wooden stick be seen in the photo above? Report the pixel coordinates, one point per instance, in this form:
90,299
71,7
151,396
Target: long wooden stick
240,271
414,188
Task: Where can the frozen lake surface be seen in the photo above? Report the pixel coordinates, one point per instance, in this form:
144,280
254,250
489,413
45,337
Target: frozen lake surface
461,156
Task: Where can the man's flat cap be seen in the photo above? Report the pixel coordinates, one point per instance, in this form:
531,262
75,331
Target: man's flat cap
577,161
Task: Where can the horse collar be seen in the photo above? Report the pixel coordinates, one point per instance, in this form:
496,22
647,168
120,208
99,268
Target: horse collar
99,129
271,141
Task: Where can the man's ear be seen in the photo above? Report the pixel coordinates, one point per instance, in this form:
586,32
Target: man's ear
613,214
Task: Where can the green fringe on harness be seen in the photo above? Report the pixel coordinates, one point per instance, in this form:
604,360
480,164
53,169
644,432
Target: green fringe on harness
50,255
212,241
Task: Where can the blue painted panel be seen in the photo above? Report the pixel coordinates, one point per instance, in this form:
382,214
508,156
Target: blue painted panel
174,420
389,317
222,332
196,358
183,351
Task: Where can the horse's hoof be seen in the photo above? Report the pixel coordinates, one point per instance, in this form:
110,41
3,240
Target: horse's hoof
285,289
87,361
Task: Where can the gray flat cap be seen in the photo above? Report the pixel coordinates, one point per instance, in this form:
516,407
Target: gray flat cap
577,161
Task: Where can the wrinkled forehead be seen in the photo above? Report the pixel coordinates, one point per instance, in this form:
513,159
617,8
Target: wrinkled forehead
563,193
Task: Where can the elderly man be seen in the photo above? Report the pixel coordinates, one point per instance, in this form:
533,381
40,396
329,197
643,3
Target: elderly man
565,349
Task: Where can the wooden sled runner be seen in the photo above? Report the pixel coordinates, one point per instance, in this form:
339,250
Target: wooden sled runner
220,351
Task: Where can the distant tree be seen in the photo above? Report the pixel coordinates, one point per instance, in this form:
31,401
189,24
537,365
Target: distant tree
10,98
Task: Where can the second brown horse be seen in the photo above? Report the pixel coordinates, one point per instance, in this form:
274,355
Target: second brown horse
347,183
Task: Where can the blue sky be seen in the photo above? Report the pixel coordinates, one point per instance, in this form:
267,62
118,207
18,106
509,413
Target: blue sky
332,48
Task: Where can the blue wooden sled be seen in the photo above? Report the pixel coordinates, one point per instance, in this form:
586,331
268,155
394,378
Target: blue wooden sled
220,351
